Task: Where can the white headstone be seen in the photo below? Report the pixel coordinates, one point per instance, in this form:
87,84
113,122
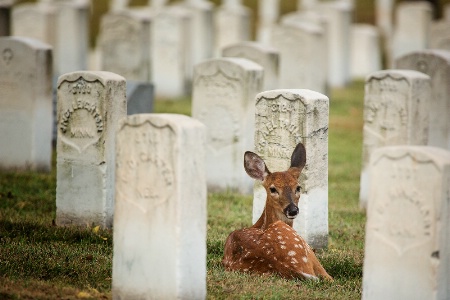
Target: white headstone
232,23
412,29
202,30
160,210
124,44
436,64
366,50
396,112
303,56
25,104
117,5
383,16
72,41
223,99
407,246
440,35
263,55
268,13
37,21
283,119
339,19
171,52
90,105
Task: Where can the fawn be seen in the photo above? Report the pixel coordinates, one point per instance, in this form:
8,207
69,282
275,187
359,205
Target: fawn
271,245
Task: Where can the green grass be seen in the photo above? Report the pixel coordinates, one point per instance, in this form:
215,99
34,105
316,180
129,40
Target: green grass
41,261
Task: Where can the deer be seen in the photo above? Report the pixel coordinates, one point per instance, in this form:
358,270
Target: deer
271,245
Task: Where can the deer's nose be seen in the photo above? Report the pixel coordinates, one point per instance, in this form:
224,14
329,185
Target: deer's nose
291,211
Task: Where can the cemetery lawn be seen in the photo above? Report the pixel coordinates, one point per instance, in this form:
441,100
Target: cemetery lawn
41,261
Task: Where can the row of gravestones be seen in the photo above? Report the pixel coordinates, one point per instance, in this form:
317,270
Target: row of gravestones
181,36
91,104
151,164
405,180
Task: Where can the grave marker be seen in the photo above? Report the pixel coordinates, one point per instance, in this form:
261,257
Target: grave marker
124,43
436,64
407,231
283,119
90,105
396,112
223,99
25,104
160,210
232,24
303,56
263,55
171,52
412,30
366,56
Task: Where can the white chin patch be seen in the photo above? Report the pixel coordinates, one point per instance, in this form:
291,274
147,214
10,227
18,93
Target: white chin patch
292,217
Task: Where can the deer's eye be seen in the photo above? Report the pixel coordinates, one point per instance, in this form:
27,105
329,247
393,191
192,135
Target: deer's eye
273,190
298,189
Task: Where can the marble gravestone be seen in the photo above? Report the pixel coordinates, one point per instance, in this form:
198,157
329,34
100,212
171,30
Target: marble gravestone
436,64
263,55
25,104
160,209
90,105
396,112
283,119
223,99
407,244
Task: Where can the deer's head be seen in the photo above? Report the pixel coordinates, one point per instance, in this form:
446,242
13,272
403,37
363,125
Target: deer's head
282,188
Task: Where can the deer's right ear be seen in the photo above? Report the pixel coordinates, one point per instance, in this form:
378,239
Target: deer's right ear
298,158
255,166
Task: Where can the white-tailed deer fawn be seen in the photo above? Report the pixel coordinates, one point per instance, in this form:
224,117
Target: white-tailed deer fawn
271,245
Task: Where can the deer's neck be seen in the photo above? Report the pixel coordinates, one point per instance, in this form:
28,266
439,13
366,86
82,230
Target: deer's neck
270,216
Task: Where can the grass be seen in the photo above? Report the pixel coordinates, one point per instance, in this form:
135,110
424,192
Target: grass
41,261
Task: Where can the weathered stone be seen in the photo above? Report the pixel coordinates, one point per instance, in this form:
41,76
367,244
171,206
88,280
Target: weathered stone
407,231
268,13
303,56
223,98
436,64
90,105
160,210
25,104
232,24
171,52
124,44
339,18
366,56
283,119
440,35
263,55
412,29
396,112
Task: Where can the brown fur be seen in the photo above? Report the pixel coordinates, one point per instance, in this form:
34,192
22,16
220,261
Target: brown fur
271,245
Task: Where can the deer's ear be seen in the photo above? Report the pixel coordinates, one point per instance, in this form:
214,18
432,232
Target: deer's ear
255,166
298,158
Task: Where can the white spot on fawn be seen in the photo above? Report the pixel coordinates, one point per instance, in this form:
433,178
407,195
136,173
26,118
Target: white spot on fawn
305,259
283,247
291,253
